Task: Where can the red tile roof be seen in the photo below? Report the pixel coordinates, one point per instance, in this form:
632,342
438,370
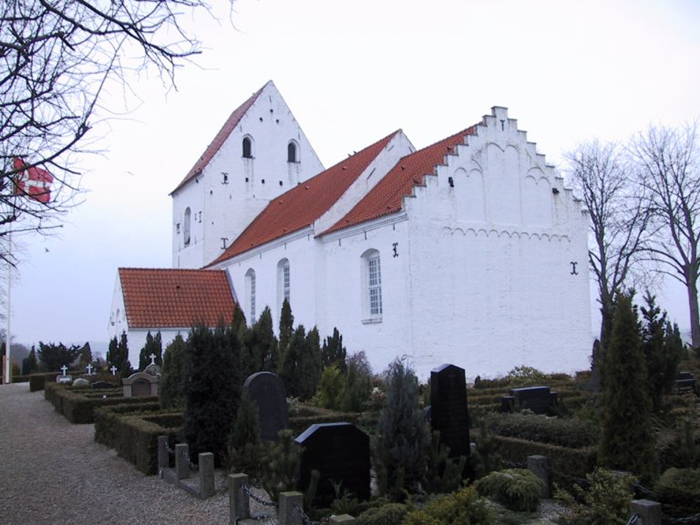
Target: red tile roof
387,196
170,298
220,138
305,203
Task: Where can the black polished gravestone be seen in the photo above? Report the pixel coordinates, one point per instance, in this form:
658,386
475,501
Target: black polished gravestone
340,453
267,391
538,399
448,408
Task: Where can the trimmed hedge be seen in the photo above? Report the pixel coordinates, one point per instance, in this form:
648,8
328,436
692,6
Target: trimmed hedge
133,430
576,462
37,381
77,405
307,415
571,433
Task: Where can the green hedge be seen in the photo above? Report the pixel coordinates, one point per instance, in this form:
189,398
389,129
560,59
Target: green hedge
37,381
77,405
133,430
300,424
571,433
576,462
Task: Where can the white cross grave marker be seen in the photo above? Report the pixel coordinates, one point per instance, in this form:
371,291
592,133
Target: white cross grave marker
114,370
89,369
64,369
152,358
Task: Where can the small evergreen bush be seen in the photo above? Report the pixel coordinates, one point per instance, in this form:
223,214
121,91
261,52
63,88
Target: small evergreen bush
358,383
517,489
463,507
605,502
444,474
172,378
330,389
244,445
389,514
280,465
153,346
679,491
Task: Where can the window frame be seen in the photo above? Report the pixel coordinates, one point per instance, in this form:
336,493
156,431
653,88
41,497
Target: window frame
372,296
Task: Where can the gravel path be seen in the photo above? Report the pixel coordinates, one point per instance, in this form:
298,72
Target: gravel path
53,472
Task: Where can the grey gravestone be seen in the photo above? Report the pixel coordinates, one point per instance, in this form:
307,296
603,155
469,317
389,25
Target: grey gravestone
80,382
141,388
267,391
449,414
538,399
140,384
340,453
685,381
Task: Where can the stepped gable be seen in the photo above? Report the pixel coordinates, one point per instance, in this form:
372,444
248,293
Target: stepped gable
221,137
304,204
387,196
173,298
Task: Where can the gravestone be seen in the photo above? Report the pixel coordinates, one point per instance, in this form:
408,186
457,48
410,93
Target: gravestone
140,384
449,414
538,399
65,380
81,382
101,385
267,391
685,382
340,453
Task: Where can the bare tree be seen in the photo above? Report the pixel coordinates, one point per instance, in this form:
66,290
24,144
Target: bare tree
56,59
670,174
618,219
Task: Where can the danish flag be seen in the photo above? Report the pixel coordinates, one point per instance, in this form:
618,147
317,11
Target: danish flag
34,182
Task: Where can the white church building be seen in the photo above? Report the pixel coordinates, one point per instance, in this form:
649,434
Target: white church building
468,251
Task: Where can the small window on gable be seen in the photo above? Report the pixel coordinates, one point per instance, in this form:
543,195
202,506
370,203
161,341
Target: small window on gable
372,304
186,227
250,293
247,148
292,152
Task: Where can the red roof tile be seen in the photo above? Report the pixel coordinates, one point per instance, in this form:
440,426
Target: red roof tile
303,204
220,138
173,298
387,196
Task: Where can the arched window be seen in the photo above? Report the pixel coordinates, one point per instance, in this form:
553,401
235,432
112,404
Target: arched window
186,228
250,293
292,152
283,282
247,148
372,286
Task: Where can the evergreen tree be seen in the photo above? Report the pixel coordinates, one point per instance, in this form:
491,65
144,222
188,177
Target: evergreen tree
311,366
662,351
173,378
358,383
212,392
245,447
402,441
153,346
627,441
330,388
286,329
55,356
118,355
261,345
333,351
239,323
85,355
30,364
280,466
291,369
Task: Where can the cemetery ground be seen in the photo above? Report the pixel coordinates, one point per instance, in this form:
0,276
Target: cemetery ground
59,474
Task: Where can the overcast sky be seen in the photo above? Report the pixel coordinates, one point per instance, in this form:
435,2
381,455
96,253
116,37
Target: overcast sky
352,72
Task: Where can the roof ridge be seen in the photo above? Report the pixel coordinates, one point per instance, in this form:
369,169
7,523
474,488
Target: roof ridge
221,136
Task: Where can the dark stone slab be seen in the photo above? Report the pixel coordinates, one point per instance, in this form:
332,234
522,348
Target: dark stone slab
340,453
101,385
141,388
267,391
449,413
685,382
538,399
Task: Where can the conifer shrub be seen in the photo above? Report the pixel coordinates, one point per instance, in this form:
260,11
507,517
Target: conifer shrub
153,346
358,383
280,465
517,489
260,345
245,448
402,441
679,491
333,353
301,369
172,379
389,514
213,389
118,355
286,329
330,389
627,441
487,457
463,507
443,474
606,501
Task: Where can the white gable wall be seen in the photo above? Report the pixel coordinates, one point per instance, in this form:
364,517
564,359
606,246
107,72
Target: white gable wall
232,190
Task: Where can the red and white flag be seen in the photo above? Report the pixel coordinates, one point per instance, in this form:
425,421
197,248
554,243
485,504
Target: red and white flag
34,182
